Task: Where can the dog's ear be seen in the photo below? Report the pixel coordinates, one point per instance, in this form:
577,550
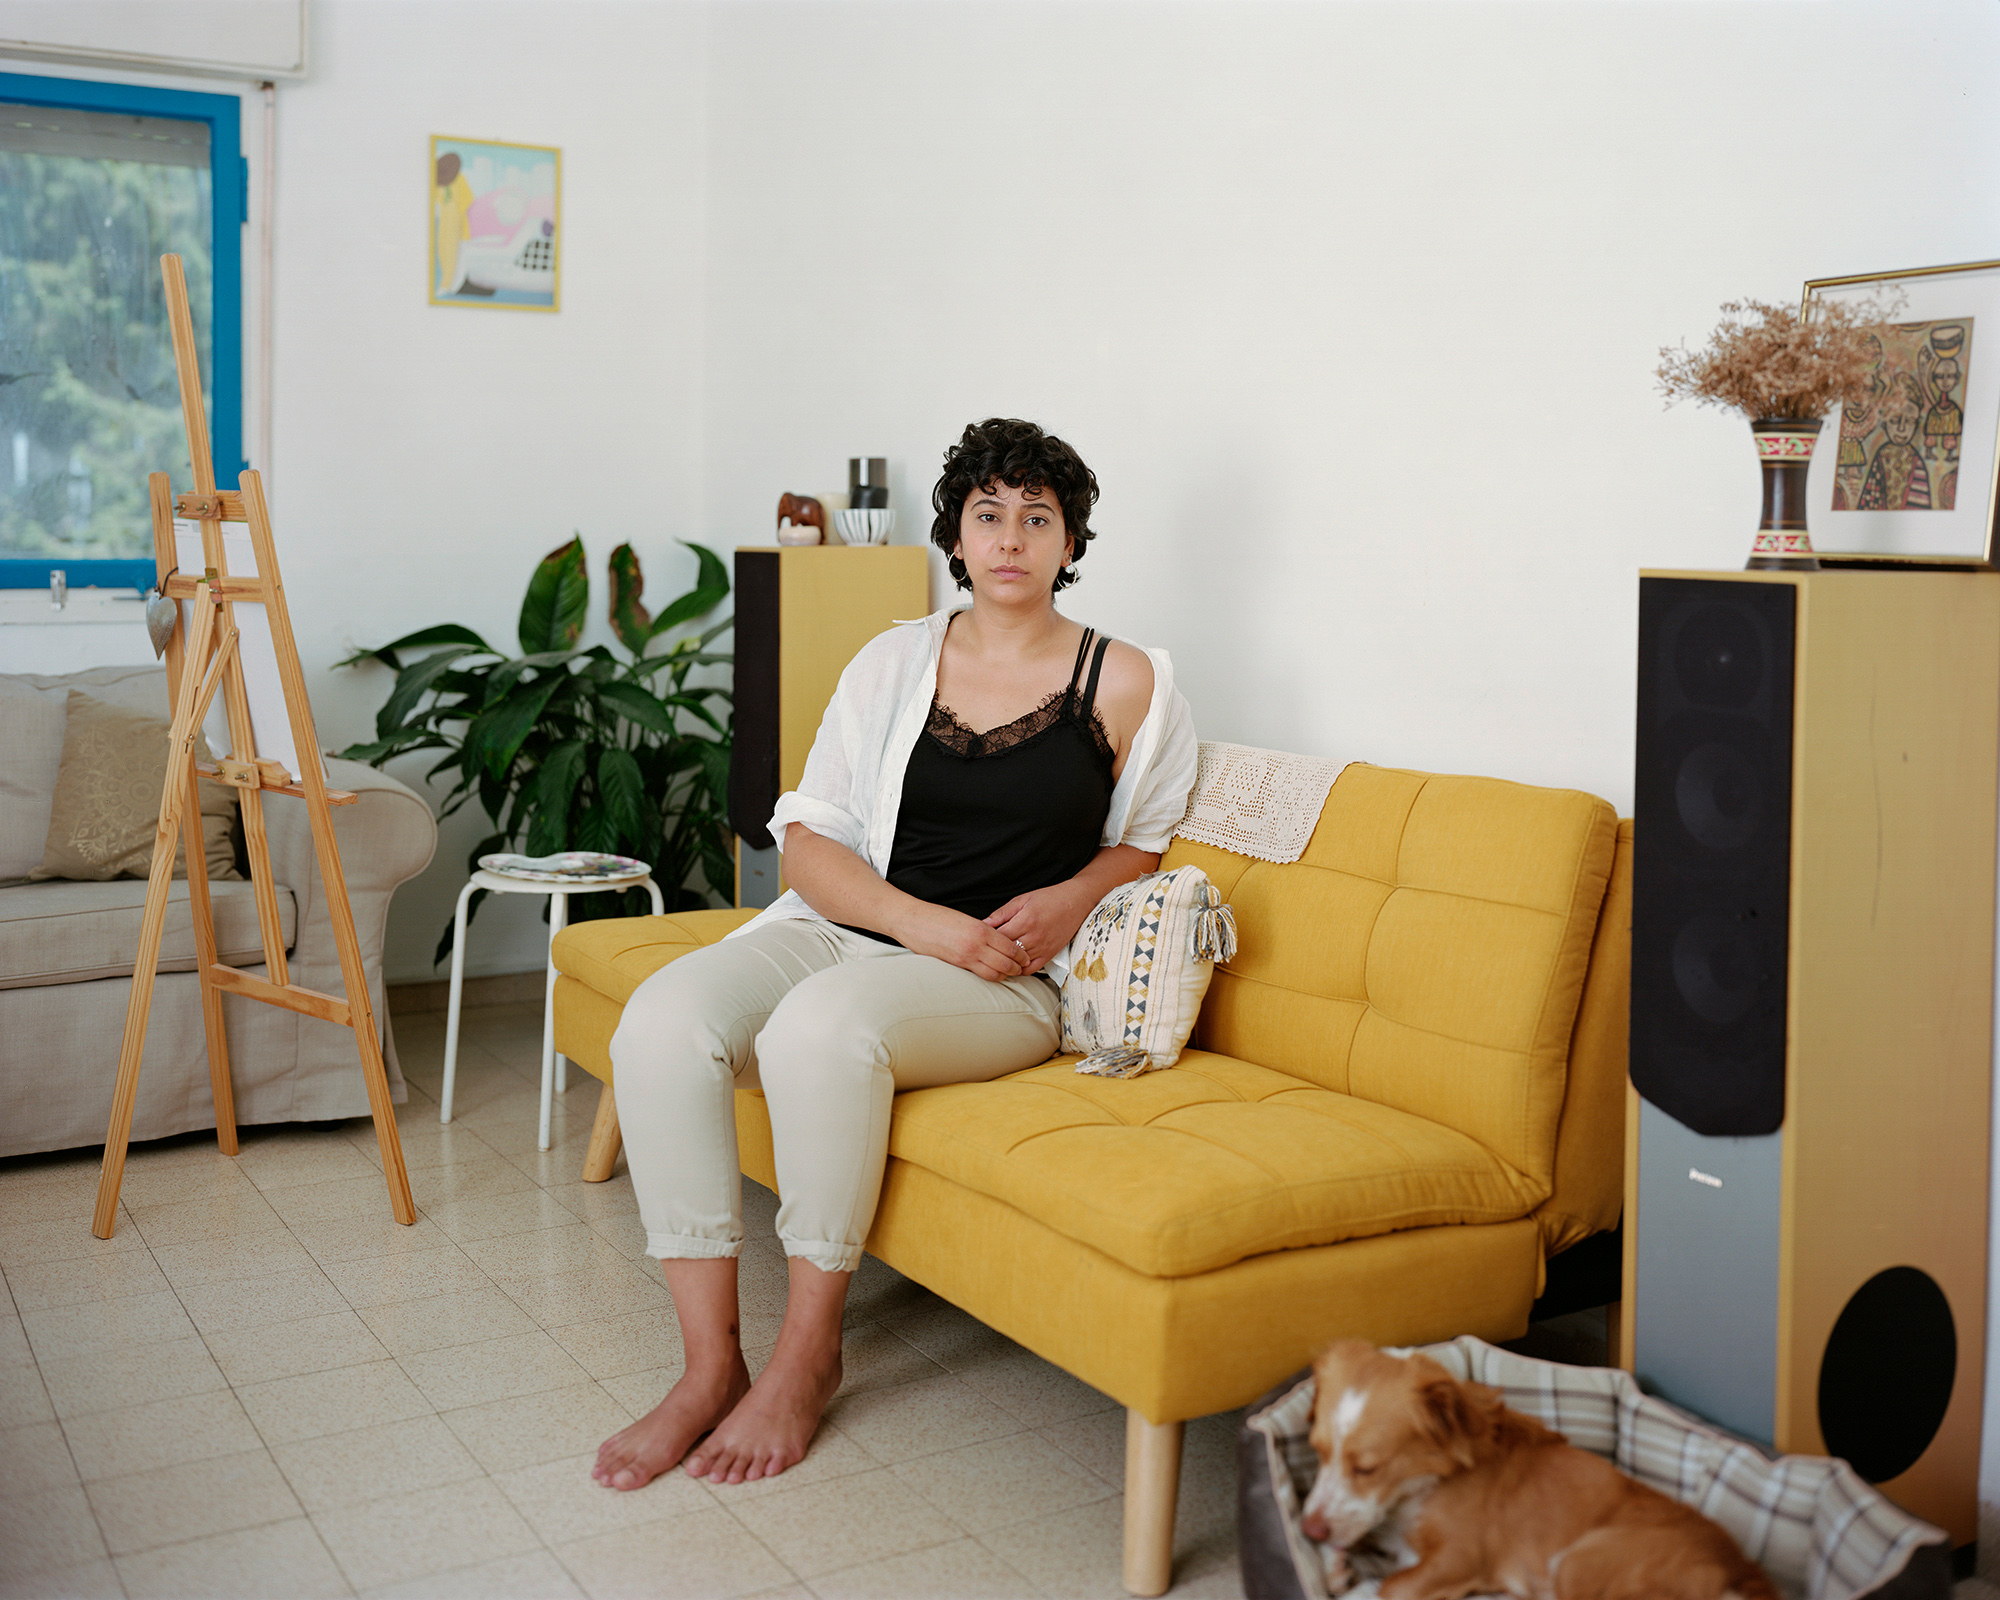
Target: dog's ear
1330,1369
1333,1365
1450,1421
1482,1401
1343,1353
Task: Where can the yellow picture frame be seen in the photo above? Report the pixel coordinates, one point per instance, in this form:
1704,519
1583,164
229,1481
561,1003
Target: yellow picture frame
495,224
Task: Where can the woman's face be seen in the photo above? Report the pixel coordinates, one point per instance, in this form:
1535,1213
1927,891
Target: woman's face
1012,541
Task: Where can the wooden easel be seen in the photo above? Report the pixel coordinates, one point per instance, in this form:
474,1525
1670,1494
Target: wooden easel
198,665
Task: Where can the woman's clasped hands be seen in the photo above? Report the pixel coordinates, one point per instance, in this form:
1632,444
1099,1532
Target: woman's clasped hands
1042,922
1021,937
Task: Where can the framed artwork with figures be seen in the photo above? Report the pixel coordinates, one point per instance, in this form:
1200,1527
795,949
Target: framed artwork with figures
495,224
1908,475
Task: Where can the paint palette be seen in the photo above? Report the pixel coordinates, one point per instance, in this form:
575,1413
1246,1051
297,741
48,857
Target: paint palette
567,866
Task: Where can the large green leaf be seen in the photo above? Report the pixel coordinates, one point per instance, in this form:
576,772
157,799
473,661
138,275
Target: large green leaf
548,831
495,736
412,683
558,596
715,769
624,791
710,570
711,587
690,703
443,633
508,673
556,782
629,620
679,660
408,742
633,703
594,831
493,792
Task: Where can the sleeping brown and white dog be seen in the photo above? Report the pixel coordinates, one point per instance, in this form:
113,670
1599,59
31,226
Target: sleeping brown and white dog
1439,1484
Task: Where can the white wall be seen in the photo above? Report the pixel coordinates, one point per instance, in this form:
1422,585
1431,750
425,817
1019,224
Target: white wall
426,457
1353,308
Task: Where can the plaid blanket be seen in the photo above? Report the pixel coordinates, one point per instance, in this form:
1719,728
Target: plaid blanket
1809,1521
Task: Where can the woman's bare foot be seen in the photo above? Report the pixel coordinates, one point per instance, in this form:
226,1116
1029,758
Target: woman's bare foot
773,1424
633,1457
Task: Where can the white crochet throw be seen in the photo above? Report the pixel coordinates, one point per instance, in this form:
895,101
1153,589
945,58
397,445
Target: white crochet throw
1261,803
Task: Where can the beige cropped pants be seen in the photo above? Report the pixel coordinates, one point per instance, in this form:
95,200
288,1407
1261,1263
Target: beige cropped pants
830,1024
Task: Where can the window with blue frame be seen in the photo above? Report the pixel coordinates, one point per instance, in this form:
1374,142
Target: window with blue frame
97,182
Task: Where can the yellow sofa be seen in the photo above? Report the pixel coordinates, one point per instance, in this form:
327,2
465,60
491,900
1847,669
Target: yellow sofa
1403,1095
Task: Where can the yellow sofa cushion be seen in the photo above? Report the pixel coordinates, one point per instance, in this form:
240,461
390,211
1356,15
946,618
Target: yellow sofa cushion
1183,1347
1426,953
614,955
1254,1160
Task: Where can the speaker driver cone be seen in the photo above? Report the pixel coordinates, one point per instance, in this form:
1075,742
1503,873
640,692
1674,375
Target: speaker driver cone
1716,963
1719,796
1719,657
1885,1381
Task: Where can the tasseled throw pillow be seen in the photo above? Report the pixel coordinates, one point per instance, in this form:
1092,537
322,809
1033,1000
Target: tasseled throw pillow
1139,967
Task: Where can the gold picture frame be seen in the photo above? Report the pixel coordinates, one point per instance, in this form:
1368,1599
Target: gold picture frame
1914,478
495,224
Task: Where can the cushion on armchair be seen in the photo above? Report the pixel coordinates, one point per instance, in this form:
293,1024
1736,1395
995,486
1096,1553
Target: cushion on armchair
76,932
31,733
1260,1161
105,813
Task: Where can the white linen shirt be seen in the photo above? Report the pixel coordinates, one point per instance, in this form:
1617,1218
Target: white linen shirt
852,789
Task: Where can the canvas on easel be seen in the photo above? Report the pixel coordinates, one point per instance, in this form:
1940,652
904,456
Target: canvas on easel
232,638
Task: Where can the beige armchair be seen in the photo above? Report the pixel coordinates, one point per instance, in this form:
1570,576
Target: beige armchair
66,962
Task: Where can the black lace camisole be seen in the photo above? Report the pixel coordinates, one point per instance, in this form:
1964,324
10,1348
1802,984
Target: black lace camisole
987,816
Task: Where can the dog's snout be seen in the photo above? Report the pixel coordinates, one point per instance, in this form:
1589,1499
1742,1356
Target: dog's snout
1313,1526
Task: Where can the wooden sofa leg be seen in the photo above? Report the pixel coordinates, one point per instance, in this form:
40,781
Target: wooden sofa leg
1152,1484
1617,1352
605,1139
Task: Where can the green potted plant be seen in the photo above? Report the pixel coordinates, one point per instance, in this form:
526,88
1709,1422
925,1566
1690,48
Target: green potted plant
578,749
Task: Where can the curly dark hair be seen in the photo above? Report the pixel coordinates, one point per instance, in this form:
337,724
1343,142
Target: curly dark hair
1020,455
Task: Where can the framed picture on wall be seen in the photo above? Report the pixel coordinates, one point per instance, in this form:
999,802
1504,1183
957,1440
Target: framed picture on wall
496,224
1909,475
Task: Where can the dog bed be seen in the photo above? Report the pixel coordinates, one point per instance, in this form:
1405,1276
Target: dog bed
1811,1522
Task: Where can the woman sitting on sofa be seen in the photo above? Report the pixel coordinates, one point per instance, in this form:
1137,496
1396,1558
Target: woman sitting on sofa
982,778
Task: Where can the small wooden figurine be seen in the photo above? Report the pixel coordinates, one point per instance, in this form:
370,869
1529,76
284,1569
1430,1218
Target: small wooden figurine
801,520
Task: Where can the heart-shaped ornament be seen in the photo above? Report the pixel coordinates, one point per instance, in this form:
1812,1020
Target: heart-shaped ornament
161,614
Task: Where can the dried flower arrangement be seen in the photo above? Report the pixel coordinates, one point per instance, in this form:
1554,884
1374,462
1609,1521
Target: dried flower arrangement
1777,360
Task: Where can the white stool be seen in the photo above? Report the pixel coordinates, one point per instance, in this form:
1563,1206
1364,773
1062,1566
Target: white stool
555,1068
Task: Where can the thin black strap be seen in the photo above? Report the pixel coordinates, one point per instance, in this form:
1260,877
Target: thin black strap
1090,689
1082,645
1076,672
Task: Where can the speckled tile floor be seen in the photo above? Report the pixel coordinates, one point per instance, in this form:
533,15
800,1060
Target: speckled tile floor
261,1386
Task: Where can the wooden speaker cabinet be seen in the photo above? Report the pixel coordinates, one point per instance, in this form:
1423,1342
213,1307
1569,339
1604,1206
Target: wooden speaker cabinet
1812,1013
802,611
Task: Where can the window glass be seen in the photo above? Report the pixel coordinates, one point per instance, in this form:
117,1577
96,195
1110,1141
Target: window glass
89,402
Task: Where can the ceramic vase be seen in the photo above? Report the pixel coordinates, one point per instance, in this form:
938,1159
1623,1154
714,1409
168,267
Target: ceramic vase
1784,451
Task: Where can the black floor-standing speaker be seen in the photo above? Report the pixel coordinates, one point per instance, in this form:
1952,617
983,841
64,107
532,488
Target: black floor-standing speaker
1812,1014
